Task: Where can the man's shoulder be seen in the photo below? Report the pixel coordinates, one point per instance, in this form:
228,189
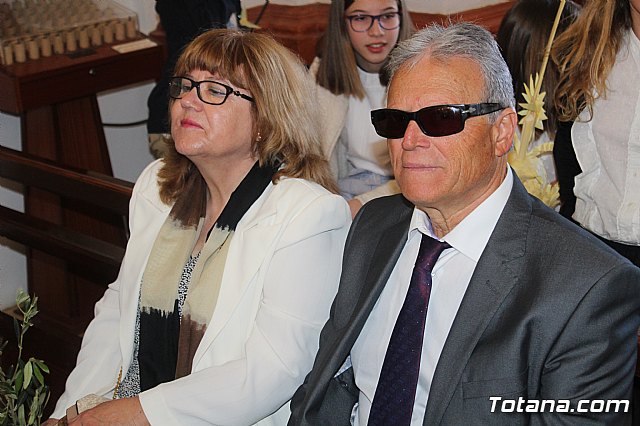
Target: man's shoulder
378,216
389,200
562,239
385,209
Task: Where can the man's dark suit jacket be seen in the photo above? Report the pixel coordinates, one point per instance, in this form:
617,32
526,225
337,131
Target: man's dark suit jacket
550,313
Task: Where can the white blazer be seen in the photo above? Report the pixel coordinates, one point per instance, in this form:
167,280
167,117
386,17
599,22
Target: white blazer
281,275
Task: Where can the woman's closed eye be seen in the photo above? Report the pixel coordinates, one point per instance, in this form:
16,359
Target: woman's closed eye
215,91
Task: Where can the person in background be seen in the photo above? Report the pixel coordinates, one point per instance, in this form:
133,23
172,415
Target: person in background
522,37
182,21
360,34
234,255
597,153
465,296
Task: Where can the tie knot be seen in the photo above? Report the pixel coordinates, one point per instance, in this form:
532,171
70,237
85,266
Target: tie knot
430,250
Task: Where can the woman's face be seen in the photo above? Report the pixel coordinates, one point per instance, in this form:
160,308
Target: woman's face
373,45
204,132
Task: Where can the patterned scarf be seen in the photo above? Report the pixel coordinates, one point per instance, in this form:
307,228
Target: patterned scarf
168,342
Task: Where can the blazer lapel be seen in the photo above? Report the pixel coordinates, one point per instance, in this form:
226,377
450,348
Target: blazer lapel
150,216
243,261
498,270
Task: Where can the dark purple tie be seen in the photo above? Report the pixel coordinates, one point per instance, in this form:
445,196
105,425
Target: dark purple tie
396,390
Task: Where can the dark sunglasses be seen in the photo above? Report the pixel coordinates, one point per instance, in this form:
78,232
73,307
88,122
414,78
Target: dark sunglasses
438,120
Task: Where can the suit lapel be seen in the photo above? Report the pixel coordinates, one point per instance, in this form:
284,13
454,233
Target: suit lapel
498,270
389,245
377,242
383,260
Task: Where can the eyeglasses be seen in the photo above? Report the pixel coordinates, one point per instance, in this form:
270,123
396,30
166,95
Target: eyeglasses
209,91
438,120
387,21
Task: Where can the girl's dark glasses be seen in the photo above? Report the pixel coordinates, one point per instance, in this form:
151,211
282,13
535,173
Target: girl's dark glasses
438,120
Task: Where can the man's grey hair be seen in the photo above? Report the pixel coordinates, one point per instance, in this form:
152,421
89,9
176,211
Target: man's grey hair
460,40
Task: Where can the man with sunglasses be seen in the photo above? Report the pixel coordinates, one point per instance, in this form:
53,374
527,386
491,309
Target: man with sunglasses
464,300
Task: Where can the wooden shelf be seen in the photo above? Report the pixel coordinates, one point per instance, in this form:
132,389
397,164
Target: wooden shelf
61,78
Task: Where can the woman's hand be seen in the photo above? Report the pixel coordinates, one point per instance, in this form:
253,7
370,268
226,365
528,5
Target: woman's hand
126,411
50,422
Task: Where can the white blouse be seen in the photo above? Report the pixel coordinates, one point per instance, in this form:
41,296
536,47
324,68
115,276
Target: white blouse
367,150
608,150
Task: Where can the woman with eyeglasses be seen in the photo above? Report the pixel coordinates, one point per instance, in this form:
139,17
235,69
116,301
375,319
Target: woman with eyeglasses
359,36
597,150
234,255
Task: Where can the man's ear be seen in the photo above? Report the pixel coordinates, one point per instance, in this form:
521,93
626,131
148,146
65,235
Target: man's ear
503,131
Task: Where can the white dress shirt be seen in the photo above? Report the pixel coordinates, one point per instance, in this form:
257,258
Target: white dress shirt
608,150
450,278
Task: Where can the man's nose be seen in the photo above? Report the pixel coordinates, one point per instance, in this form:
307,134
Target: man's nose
413,137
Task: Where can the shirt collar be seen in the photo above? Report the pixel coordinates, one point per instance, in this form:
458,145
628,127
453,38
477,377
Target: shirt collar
470,236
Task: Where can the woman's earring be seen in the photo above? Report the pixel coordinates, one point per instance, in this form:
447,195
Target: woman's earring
259,137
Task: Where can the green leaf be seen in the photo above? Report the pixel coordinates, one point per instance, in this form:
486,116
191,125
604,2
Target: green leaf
23,398
22,298
42,365
33,408
21,419
43,398
38,374
18,383
28,372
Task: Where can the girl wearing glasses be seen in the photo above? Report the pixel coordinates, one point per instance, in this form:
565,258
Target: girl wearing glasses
359,37
234,255
598,155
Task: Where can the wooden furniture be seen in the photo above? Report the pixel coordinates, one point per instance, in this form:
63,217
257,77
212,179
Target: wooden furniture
55,98
53,340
